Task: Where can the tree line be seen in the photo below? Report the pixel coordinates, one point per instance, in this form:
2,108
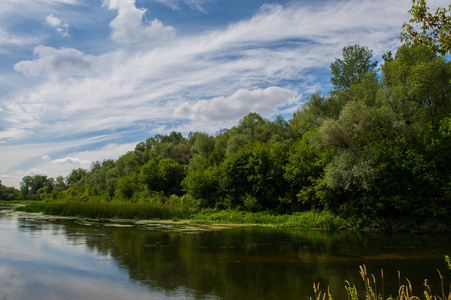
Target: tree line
377,145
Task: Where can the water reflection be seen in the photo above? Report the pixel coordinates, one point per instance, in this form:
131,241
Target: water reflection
61,258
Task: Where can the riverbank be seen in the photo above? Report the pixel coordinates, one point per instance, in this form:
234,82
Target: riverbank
134,213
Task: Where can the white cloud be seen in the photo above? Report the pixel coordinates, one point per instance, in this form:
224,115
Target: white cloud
128,27
60,27
72,160
239,104
46,158
55,62
9,39
35,171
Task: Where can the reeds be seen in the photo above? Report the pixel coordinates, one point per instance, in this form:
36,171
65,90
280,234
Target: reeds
319,295
304,220
105,210
178,208
370,292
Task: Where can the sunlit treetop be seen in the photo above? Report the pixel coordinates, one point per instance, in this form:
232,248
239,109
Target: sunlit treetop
432,30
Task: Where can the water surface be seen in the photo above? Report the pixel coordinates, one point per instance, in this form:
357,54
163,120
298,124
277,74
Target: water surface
67,259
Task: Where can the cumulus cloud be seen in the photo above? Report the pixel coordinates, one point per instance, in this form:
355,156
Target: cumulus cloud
60,27
72,160
55,62
128,27
239,104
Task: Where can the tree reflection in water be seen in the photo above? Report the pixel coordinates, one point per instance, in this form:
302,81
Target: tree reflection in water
253,262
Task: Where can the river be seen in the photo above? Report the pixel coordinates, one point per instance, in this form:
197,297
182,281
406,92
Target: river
68,259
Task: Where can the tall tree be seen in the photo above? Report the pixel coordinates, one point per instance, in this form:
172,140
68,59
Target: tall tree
30,185
356,63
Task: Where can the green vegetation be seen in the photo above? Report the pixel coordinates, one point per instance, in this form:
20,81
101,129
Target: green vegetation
305,220
374,150
8,193
174,211
98,210
429,29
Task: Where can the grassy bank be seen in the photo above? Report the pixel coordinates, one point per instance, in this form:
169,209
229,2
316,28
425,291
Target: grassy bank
100,210
305,220
176,210
147,211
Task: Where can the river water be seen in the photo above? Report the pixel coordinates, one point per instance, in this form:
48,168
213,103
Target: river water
68,259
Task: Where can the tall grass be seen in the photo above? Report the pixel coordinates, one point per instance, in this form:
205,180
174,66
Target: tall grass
176,210
104,210
304,220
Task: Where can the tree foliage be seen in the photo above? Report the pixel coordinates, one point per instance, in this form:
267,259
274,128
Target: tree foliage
356,63
426,28
9,193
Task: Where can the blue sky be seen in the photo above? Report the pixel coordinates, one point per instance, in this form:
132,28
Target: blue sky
85,80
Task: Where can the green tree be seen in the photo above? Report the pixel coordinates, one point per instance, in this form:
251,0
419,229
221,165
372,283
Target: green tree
253,176
201,150
76,176
202,184
30,185
60,184
25,186
304,172
355,64
170,174
8,193
431,30
126,187
163,175
417,85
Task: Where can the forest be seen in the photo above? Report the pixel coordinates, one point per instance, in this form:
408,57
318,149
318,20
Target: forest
376,147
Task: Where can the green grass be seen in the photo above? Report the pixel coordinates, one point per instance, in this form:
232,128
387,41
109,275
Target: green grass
175,209
165,211
304,220
9,202
105,210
